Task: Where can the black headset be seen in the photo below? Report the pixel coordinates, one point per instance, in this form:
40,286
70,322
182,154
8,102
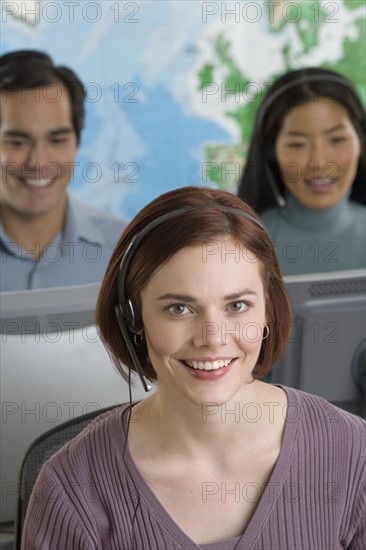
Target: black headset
127,310
271,98
302,79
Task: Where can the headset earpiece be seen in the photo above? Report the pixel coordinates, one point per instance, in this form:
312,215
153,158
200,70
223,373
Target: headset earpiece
131,314
119,315
124,330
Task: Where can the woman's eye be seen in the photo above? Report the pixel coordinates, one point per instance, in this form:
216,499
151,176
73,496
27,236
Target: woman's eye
296,145
338,139
238,306
177,309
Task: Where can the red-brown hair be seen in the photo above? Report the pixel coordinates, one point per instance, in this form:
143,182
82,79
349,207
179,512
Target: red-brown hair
196,227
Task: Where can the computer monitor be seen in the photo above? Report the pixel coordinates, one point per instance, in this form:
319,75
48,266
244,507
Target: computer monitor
326,354
53,368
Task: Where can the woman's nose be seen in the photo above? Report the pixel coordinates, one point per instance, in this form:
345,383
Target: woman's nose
213,331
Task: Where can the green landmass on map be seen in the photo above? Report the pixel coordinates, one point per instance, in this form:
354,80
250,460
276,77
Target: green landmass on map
307,17
308,29
354,4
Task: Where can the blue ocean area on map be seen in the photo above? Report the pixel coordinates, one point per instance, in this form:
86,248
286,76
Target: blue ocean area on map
178,150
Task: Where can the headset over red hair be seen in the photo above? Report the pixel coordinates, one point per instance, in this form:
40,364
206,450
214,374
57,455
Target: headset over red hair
184,217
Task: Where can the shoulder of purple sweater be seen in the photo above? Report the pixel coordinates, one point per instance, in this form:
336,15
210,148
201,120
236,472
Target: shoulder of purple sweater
87,444
319,414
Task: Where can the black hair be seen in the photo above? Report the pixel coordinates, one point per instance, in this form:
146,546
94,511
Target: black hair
30,70
261,184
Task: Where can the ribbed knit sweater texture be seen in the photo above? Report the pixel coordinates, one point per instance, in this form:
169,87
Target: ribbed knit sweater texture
315,498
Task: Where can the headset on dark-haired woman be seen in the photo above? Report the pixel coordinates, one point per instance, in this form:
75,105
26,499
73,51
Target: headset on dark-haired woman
306,171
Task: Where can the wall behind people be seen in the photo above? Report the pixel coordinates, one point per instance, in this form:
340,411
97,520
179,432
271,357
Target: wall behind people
173,88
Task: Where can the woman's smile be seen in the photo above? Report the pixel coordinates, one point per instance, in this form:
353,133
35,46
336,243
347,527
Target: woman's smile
199,322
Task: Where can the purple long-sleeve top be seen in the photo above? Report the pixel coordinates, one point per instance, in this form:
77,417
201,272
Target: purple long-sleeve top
315,499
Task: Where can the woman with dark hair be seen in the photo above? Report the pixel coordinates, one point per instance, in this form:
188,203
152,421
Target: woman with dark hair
306,171
193,300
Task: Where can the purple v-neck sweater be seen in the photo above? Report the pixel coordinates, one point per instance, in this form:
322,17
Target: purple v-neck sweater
315,498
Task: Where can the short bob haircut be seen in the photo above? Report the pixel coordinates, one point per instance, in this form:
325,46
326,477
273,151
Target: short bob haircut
191,229
291,90
30,70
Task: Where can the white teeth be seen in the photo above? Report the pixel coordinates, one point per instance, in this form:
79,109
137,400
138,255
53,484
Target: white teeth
318,182
208,365
38,182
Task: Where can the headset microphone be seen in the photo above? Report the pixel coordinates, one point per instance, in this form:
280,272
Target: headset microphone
272,182
127,311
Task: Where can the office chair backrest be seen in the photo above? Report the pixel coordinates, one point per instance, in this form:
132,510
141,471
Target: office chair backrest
41,450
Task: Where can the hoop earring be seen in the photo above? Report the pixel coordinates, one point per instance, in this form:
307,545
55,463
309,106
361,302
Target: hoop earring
267,334
137,338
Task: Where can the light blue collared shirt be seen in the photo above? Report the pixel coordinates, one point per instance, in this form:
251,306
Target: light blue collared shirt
78,255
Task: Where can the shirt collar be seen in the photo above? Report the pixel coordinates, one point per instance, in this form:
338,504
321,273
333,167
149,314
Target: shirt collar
78,226
3,235
78,223
11,246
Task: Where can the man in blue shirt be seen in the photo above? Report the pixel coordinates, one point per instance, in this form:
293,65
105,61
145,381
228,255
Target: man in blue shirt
47,238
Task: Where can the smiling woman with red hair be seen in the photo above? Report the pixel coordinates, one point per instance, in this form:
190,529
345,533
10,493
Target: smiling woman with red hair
215,459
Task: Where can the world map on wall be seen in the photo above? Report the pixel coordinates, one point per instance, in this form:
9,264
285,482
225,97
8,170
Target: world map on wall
173,87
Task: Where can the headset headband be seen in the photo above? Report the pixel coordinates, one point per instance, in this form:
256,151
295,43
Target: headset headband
303,79
132,247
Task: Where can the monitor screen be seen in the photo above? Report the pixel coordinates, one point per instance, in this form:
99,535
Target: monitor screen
53,368
326,350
